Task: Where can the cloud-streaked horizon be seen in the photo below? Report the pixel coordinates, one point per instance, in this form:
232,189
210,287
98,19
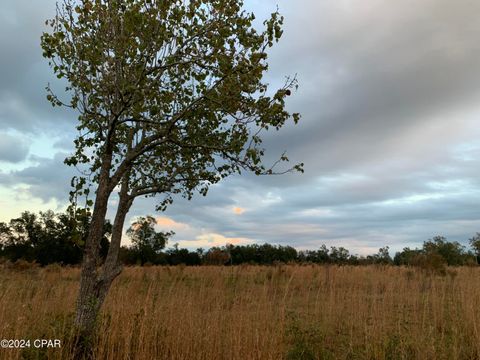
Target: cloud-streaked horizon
389,96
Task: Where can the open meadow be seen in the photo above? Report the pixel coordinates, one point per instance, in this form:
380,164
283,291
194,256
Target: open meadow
252,312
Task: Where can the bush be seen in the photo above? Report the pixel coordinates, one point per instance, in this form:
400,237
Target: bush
431,263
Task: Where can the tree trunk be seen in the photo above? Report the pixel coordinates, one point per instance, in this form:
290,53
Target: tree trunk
88,305
87,302
112,268
94,284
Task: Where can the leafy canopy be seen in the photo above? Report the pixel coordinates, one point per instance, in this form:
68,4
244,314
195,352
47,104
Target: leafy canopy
169,92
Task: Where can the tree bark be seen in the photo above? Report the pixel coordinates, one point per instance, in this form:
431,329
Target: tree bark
94,284
88,305
87,302
112,268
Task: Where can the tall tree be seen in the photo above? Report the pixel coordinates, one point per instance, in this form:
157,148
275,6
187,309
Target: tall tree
170,100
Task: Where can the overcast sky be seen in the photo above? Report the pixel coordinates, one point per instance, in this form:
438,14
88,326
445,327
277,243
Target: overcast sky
390,132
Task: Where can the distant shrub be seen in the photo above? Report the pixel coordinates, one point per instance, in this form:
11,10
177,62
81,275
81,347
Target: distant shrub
432,263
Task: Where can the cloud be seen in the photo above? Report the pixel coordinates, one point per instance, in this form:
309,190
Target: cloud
238,210
46,180
13,149
379,79
169,224
24,73
212,239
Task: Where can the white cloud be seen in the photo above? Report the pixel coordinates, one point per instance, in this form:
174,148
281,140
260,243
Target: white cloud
208,240
166,223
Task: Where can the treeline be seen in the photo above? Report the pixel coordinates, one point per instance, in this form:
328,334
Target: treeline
435,252
50,237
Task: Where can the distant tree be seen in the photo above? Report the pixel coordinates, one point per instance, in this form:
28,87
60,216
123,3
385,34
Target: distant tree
49,237
200,251
286,254
434,253
382,257
339,255
244,254
268,254
265,254
320,256
431,262
19,237
453,253
475,244
146,241
5,234
407,256
216,256
177,256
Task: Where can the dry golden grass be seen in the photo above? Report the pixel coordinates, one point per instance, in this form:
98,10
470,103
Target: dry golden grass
249,312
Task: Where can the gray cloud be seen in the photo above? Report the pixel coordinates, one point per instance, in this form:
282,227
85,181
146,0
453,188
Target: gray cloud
48,179
373,73
12,148
24,73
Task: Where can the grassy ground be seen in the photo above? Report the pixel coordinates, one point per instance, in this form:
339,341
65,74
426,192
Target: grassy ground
250,312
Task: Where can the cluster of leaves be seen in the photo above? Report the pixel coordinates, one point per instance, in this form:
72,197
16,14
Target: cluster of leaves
47,237
169,92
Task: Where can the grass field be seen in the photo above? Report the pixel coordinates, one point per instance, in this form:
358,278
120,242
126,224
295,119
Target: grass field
250,312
